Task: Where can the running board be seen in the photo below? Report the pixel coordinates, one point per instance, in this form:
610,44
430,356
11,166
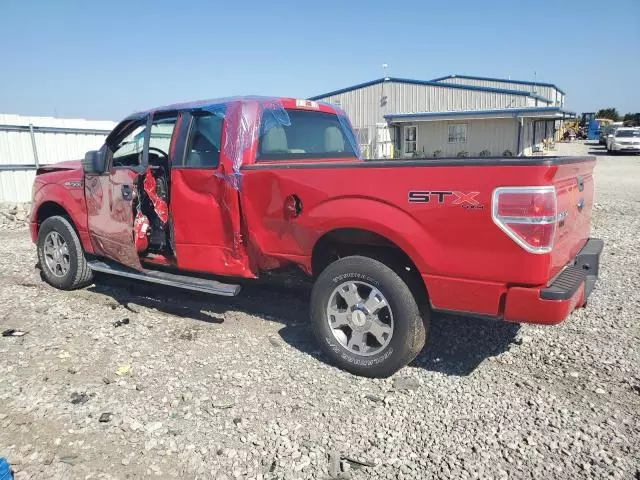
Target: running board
180,281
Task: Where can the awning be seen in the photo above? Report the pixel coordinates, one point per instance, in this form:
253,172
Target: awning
548,113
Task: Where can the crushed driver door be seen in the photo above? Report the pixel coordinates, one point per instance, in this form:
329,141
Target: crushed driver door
110,196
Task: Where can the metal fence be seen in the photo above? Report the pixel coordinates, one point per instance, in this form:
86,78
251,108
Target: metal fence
28,142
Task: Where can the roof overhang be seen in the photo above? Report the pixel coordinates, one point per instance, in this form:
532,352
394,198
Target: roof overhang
542,113
503,80
408,81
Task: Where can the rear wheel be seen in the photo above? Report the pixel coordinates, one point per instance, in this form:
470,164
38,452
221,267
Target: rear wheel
61,256
365,317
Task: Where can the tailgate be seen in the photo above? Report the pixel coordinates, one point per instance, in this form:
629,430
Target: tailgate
574,188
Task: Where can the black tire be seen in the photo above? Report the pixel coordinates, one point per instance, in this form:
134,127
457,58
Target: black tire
409,331
79,274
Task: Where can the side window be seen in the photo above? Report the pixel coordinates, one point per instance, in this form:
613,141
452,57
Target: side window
127,151
410,139
160,139
458,133
203,150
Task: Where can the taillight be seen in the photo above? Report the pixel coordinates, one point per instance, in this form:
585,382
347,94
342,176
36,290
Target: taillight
528,215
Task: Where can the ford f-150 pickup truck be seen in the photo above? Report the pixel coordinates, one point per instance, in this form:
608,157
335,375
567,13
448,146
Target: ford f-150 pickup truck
200,195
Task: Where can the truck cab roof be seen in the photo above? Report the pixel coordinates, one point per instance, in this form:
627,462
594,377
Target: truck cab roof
220,103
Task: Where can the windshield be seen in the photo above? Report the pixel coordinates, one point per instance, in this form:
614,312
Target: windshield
310,135
628,133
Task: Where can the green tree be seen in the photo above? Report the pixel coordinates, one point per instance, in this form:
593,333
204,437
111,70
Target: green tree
610,113
632,119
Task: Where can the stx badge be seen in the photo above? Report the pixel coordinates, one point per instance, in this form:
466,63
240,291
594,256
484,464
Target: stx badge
464,199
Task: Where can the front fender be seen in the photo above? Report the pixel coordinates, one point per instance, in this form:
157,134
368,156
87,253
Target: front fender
384,219
71,199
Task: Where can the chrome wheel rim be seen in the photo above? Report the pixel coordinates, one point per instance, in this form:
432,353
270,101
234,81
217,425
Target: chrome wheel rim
360,318
56,254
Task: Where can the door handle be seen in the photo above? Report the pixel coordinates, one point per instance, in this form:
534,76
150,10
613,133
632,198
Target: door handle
127,192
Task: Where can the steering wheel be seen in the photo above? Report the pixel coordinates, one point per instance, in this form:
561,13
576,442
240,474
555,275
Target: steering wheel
164,154
163,161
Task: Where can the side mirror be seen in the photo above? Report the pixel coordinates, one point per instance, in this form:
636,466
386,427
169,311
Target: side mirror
93,162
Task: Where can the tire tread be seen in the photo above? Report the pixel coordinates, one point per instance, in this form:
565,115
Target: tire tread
83,274
415,339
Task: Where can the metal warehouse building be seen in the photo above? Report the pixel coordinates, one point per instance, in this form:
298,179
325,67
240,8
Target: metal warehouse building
454,115
28,142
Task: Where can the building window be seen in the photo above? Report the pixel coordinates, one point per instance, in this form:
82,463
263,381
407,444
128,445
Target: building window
362,135
410,139
458,133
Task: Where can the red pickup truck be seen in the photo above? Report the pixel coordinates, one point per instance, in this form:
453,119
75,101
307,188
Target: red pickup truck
195,195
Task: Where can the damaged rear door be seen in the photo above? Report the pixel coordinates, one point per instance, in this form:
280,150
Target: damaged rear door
111,195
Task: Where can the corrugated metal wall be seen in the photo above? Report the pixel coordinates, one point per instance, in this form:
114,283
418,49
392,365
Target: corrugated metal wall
367,106
495,135
27,141
15,185
543,91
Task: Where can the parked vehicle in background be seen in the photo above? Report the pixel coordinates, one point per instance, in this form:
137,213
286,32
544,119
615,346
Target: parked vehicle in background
625,140
610,132
605,132
605,125
237,187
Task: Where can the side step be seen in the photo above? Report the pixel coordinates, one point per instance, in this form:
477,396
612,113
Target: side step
173,280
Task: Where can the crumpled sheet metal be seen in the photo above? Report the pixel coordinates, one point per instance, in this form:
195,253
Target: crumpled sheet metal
141,227
159,205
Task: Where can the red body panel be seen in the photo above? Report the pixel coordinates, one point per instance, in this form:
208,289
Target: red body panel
524,305
64,186
202,208
110,216
442,239
570,239
460,295
237,220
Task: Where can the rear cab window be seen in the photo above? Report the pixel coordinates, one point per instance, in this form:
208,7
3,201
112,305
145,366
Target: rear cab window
311,135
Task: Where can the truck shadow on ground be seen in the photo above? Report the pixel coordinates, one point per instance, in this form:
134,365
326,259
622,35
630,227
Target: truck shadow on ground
456,345
598,150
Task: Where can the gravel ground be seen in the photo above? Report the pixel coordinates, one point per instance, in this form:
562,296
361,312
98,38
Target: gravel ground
200,387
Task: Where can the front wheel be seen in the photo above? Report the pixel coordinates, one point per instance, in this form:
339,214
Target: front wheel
365,317
61,256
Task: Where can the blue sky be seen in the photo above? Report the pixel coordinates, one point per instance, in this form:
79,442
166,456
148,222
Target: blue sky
105,59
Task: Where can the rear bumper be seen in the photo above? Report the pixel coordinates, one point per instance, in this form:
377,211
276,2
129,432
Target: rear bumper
568,291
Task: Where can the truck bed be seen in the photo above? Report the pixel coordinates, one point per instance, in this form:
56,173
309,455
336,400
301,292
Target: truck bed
457,247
